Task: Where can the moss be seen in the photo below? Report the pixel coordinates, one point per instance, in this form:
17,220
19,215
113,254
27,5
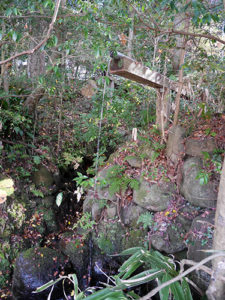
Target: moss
134,238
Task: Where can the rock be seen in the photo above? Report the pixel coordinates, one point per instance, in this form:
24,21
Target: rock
89,90
169,241
48,201
175,144
43,177
103,191
108,236
134,162
196,147
33,268
111,211
50,220
131,213
197,194
154,197
75,247
201,238
96,211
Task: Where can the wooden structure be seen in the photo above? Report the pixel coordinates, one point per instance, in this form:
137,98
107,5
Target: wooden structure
126,67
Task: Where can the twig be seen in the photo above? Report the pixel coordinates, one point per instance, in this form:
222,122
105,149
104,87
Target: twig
31,51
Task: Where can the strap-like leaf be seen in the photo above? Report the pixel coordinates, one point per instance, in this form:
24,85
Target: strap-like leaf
177,291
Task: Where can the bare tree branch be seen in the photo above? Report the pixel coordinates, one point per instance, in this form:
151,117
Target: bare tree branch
38,46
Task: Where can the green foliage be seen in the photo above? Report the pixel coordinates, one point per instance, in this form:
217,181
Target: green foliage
146,219
84,181
203,177
104,244
119,181
85,222
161,267
36,192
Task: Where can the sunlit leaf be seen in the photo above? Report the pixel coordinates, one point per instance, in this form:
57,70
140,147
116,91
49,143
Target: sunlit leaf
59,199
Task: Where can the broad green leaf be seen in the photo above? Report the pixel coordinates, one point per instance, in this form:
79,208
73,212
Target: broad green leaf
59,199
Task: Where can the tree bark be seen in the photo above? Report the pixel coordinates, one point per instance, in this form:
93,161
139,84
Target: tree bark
162,108
216,289
131,36
36,61
182,46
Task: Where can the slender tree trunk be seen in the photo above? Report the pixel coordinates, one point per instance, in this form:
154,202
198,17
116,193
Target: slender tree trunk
131,36
180,76
4,68
36,61
180,85
216,289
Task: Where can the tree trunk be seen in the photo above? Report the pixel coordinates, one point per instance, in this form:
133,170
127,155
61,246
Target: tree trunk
131,37
181,43
36,61
34,98
216,289
162,108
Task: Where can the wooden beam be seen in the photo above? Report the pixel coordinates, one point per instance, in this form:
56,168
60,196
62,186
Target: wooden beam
126,67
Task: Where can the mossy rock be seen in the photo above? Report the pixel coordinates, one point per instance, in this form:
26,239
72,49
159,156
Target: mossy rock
135,237
43,177
154,197
35,267
49,223
75,247
108,236
170,242
194,192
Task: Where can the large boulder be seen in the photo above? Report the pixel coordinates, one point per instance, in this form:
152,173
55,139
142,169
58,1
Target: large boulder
195,147
33,268
175,144
201,238
194,192
154,197
169,241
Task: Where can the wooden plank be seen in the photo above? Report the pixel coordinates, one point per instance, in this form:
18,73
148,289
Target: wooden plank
126,67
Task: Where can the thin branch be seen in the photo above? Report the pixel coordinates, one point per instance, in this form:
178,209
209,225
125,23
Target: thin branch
180,276
31,51
161,31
